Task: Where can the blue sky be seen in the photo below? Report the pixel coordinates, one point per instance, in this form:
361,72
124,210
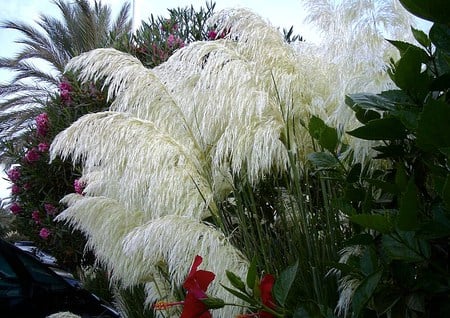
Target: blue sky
281,13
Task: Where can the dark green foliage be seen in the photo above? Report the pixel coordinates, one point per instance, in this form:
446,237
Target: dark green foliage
400,215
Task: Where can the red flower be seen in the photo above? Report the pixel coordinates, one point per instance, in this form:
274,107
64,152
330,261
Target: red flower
266,286
196,284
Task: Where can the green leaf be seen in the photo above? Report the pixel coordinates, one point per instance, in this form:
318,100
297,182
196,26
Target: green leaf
325,135
236,281
405,47
406,247
407,74
432,10
364,116
284,283
377,222
364,292
251,274
433,129
323,160
381,129
421,37
240,295
364,101
409,208
440,36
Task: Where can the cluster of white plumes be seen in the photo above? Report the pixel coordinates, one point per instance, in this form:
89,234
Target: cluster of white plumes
156,163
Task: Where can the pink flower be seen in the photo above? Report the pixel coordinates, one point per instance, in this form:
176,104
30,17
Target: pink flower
15,189
212,35
64,89
42,124
43,147
26,186
15,208
36,217
50,209
14,174
32,155
44,233
79,186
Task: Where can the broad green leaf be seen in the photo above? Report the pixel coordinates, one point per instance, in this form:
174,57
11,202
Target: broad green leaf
315,127
421,37
407,74
251,274
284,283
235,280
406,247
329,139
377,222
364,292
432,10
440,36
364,116
381,129
433,129
323,160
368,261
409,208
369,102
405,47
325,135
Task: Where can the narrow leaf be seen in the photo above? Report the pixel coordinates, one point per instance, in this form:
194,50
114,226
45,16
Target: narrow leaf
236,281
251,274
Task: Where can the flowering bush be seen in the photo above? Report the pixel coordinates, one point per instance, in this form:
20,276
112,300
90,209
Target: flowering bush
37,186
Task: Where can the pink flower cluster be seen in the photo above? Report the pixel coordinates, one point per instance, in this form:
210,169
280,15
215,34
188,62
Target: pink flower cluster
15,208
32,155
42,124
50,209
64,90
36,216
14,174
43,147
174,42
44,233
79,186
